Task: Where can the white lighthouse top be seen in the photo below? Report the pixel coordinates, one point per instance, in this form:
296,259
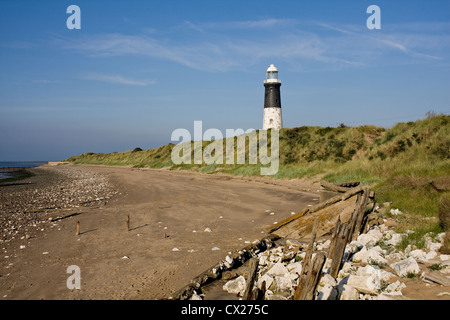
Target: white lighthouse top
272,74
272,68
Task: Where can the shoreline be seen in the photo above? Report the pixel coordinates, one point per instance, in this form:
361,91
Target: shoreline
168,210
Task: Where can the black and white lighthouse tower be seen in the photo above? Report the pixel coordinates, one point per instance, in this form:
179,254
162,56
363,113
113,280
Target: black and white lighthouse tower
272,100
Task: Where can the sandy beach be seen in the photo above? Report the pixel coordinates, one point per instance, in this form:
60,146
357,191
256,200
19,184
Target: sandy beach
166,244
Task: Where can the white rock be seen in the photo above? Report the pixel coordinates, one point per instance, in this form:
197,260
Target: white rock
23,247
293,242
379,250
433,246
396,256
431,255
395,212
208,229
417,254
395,239
347,269
395,288
324,245
444,257
278,269
274,297
263,260
215,248
175,249
367,270
387,234
295,267
370,238
369,256
275,258
444,293
327,293
327,280
267,278
386,275
195,296
290,275
229,259
235,286
354,246
440,237
406,266
228,262
364,284
283,286
349,293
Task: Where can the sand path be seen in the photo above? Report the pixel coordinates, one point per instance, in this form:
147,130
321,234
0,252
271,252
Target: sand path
165,207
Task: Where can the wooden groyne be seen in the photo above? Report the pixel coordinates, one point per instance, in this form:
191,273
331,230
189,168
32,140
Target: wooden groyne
340,219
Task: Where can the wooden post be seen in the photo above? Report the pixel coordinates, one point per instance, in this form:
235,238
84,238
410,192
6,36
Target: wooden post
339,248
253,267
128,222
359,221
310,249
352,221
306,289
258,294
78,228
358,214
306,265
334,238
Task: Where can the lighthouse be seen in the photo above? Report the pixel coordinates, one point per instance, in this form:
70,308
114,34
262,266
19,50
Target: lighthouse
272,100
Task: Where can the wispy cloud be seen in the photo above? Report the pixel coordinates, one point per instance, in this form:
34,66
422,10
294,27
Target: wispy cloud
115,79
224,46
413,42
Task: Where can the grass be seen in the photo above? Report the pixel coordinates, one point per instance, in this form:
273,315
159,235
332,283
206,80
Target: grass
436,266
399,163
418,228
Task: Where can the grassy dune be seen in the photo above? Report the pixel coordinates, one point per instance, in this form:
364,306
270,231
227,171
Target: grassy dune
408,164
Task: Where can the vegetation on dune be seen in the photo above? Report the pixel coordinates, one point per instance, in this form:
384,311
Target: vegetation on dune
408,164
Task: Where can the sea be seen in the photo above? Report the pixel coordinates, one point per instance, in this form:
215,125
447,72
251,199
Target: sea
7,167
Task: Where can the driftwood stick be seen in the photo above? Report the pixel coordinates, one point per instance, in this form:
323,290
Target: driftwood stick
78,228
258,294
334,238
128,222
332,187
339,249
306,265
253,267
310,249
309,280
280,224
354,217
361,212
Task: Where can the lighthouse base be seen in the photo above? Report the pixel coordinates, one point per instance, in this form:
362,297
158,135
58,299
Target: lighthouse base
272,119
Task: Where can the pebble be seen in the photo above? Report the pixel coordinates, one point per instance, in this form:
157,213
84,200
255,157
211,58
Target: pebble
281,265
21,206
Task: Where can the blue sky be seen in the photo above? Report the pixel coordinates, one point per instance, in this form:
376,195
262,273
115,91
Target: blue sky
138,70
